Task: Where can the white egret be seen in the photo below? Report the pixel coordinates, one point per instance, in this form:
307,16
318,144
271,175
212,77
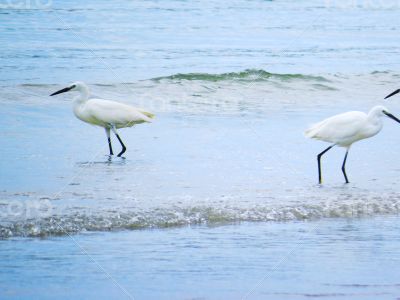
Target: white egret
108,114
344,129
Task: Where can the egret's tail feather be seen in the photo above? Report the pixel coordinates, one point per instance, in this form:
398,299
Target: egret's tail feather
148,114
310,132
313,132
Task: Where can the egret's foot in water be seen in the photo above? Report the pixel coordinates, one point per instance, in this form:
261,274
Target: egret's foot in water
120,141
123,146
122,152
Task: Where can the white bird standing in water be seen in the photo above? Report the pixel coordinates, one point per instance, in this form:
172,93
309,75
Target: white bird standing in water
108,114
344,129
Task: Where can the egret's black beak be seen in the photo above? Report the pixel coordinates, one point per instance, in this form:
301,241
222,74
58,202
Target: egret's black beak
391,116
392,94
63,90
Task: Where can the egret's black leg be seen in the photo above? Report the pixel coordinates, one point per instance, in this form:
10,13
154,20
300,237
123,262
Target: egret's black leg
319,163
344,166
119,139
109,140
122,144
110,146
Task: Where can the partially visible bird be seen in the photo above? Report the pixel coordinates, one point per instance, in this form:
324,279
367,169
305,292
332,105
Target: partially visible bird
344,129
108,114
392,94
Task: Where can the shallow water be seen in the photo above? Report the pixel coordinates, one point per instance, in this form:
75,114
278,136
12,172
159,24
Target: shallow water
327,259
216,156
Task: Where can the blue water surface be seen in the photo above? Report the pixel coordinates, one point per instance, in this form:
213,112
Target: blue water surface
217,199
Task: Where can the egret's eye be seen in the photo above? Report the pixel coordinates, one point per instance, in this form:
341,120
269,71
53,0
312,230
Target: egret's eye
73,86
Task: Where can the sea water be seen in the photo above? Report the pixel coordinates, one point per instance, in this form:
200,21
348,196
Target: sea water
233,86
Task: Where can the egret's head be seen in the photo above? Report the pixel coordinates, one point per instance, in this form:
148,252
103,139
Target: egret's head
382,111
76,86
378,110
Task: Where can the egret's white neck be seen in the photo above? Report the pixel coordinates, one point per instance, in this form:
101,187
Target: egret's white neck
375,120
375,113
83,95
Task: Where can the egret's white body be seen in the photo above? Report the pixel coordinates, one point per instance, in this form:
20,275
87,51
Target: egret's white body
103,113
345,129
110,115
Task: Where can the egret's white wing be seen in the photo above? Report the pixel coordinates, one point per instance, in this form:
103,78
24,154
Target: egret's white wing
338,129
111,112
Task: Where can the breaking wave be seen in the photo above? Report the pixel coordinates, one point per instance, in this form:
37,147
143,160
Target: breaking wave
246,75
162,217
